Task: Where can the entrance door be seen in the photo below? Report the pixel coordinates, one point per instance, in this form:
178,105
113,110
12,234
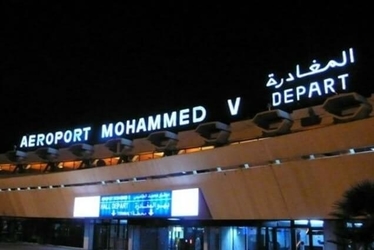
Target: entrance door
102,236
111,235
183,238
309,238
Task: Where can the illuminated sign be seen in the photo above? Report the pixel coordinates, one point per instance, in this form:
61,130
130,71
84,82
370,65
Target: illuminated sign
182,117
292,88
54,138
175,203
305,82
185,202
88,206
152,123
154,204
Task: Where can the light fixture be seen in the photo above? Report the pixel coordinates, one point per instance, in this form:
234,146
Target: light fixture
81,150
49,155
16,156
347,107
121,148
165,141
98,163
84,152
214,133
273,122
311,119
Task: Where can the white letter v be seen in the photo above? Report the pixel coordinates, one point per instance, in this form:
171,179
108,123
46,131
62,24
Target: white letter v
234,108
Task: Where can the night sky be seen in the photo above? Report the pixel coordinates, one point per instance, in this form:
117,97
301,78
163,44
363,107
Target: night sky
66,65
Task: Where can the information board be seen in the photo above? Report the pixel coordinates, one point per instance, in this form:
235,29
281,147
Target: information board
152,204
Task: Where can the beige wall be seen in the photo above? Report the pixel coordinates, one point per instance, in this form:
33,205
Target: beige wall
296,188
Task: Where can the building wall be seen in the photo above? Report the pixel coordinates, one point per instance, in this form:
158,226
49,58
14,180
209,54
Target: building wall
291,176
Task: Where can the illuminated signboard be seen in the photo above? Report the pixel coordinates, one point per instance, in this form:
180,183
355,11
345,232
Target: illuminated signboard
317,80
320,78
88,206
183,117
185,202
156,122
154,204
175,203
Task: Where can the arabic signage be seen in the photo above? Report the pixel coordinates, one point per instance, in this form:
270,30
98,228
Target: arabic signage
154,204
318,80
174,203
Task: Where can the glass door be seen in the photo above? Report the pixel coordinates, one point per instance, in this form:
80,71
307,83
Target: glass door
111,235
183,238
102,236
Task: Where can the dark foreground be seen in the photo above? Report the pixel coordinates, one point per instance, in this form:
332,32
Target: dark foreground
29,246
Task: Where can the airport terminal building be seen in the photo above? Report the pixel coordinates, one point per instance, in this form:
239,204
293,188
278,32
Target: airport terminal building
251,184
267,182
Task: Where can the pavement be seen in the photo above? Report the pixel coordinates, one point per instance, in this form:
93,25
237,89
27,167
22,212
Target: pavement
32,246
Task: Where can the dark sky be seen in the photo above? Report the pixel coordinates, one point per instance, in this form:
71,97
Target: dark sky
68,64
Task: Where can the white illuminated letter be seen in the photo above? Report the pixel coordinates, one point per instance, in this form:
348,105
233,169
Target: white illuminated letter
58,136
300,90
276,98
195,111
32,141
154,123
288,96
49,139
342,77
23,142
329,85
130,126
141,125
68,136
184,116
234,108
314,87
170,121
86,130
77,134
40,140
106,130
119,128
